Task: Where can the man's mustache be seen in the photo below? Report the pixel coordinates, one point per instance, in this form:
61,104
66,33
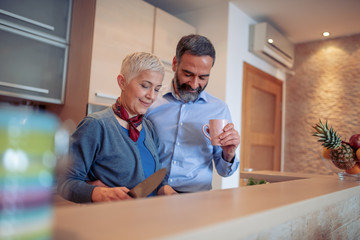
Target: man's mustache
188,87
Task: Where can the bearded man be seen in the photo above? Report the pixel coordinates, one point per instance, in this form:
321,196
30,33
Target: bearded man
178,117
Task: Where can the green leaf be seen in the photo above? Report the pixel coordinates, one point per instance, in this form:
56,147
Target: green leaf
252,181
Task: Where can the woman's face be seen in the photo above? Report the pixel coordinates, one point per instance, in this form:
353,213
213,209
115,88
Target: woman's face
141,91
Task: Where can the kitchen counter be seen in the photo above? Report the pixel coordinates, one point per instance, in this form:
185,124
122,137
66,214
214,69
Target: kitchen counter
291,206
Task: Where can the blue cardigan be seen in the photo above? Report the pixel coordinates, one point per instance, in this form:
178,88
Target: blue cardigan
101,150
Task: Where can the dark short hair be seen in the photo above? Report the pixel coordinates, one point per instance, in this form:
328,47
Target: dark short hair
195,45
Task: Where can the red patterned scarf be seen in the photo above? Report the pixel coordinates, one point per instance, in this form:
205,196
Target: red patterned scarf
134,122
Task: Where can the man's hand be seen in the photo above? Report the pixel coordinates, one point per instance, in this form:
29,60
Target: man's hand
166,190
229,140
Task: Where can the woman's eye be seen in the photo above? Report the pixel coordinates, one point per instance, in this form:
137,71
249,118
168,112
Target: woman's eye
144,86
157,89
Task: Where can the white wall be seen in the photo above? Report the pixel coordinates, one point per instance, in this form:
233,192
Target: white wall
212,22
227,27
237,54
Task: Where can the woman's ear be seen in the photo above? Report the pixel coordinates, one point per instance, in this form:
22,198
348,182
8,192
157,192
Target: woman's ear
121,81
174,63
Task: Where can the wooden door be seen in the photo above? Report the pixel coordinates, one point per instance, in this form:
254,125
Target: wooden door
261,120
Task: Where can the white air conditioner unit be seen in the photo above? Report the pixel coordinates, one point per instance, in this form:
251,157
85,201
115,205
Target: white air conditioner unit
269,44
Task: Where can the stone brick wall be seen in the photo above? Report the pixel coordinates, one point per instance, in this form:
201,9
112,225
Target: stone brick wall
335,221
325,86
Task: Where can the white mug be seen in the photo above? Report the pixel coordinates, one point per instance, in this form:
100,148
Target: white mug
216,127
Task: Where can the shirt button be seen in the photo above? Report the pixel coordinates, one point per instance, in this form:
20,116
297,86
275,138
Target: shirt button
170,180
174,162
181,123
178,143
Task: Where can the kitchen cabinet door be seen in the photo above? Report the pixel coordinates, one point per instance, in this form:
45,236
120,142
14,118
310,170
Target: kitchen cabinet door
47,17
31,67
34,49
121,27
167,32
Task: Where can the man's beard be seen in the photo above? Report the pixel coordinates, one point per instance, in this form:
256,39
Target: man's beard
184,89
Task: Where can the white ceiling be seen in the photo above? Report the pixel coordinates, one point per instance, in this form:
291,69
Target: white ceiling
300,20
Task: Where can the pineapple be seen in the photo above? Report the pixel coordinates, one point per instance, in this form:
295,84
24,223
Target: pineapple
342,154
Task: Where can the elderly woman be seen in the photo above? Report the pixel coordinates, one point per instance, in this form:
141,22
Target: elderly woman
115,149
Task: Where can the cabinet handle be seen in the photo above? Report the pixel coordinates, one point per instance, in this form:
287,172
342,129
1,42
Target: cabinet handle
28,20
24,87
166,62
103,95
32,33
248,169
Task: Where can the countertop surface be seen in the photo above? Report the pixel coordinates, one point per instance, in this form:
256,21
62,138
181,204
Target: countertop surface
195,215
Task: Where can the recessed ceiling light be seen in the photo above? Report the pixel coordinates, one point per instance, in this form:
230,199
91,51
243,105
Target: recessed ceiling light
326,34
270,40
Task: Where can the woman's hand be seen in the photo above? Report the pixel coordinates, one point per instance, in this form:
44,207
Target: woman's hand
166,190
107,194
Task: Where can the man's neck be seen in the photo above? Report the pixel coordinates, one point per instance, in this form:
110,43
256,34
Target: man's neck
177,95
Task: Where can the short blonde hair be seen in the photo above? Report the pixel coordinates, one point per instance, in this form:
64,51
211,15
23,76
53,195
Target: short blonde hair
137,62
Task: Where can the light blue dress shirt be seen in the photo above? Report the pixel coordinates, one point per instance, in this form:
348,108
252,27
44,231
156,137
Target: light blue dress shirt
183,149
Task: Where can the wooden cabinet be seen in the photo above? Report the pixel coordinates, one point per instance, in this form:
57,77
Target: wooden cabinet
34,48
122,27
79,65
167,32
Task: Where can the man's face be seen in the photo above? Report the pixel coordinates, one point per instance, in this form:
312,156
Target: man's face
191,75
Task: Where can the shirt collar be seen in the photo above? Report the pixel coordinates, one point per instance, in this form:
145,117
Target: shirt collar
171,92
